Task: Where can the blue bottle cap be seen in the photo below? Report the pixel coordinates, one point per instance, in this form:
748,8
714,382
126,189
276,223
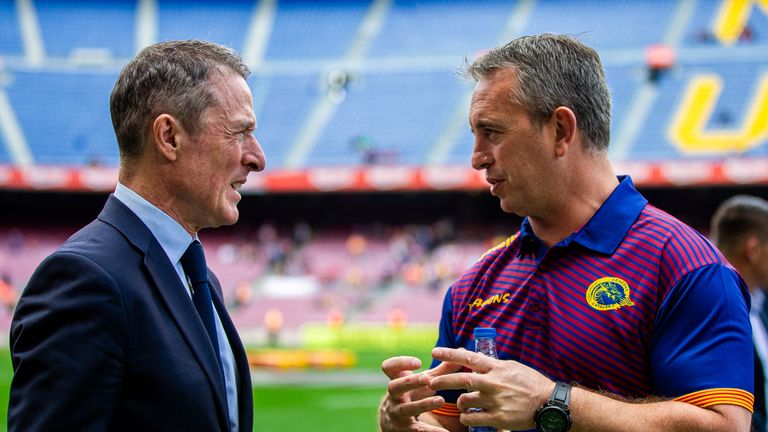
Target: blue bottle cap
484,332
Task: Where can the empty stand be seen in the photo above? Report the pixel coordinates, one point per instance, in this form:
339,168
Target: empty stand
437,27
5,157
10,32
65,116
222,22
312,30
602,24
402,92
89,27
401,113
281,105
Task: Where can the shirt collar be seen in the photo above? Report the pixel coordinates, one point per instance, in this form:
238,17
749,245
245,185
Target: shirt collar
612,221
173,238
758,299
607,227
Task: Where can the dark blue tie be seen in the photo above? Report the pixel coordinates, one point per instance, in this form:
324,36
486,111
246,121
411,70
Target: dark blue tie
193,262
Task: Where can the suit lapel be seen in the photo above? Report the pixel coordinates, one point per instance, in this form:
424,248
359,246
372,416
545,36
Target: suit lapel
172,292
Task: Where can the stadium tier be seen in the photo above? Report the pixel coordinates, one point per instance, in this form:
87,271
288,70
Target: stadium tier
347,83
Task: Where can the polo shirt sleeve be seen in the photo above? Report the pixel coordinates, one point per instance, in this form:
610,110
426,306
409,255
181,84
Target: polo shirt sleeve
446,339
702,346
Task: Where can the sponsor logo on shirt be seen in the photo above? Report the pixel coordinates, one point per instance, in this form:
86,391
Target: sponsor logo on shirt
479,303
609,293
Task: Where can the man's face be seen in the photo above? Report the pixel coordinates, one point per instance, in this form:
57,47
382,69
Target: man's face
516,155
219,158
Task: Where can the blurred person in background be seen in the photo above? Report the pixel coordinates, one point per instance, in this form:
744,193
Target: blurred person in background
740,230
123,328
9,295
611,315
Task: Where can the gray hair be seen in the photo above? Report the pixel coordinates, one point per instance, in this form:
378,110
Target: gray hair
737,218
553,71
167,78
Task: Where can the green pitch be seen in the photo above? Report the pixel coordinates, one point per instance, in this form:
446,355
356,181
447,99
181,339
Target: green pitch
331,409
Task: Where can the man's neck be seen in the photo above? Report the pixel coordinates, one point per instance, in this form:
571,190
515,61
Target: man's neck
576,205
156,194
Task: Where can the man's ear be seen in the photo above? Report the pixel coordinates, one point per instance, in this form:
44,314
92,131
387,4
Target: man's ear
752,249
167,133
565,129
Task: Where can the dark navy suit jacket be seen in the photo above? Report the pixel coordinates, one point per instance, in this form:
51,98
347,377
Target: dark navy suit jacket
106,338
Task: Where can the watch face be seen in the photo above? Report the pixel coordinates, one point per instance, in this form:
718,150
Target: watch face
553,420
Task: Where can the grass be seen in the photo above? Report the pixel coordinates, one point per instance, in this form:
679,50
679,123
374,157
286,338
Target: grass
330,408
6,372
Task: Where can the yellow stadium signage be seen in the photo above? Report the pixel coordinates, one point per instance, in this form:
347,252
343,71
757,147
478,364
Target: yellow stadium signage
732,17
688,127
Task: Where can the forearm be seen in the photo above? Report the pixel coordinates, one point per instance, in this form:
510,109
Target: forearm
594,412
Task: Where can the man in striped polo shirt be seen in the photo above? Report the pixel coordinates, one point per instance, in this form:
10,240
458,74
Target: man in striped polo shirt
611,315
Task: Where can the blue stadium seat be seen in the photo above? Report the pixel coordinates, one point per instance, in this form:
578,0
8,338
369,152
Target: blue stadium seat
312,30
401,113
10,33
281,105
604,24
222,22
65,116
91,24
623,81
438,27
5,157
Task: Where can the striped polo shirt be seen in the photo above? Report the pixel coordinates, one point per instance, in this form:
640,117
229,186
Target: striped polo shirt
635,303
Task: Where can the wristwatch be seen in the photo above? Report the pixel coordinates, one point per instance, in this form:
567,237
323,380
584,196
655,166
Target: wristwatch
555,416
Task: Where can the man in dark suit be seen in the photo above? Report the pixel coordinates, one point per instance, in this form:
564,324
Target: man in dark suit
123,327
740,231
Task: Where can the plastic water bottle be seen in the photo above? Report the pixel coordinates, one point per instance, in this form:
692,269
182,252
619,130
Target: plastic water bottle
485,343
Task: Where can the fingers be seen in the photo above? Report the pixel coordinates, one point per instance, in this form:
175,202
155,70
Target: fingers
477,362
399,386
413,409
443,368
399,416
396,367
459,381
472,400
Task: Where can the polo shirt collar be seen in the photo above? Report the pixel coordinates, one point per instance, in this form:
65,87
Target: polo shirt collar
607,227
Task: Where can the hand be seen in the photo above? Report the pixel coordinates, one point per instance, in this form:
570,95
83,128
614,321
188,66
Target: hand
409,395
508,392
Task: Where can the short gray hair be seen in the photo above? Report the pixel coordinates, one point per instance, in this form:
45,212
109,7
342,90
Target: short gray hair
737,218
171,78
553,71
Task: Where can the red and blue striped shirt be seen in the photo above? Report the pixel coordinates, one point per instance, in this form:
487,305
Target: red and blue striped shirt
635,303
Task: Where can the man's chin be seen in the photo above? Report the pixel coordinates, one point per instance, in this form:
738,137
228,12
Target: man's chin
507,207
230,218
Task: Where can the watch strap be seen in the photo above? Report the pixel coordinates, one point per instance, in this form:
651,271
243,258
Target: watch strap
561,394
